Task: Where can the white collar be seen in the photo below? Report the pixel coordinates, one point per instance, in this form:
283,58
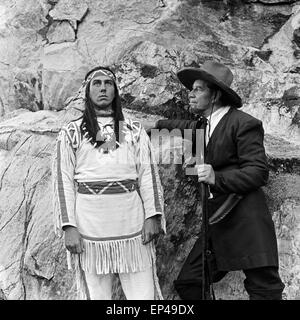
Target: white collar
214,119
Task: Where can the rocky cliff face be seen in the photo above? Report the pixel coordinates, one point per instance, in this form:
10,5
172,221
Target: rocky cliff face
46,47
32,257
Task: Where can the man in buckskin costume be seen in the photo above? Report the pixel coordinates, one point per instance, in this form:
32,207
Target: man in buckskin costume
108,196
235,168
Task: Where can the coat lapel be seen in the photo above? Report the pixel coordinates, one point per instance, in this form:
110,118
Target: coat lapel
218,127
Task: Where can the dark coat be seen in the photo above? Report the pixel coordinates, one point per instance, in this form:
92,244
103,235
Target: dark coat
245,238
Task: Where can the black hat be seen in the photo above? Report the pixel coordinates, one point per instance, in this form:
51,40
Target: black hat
213,72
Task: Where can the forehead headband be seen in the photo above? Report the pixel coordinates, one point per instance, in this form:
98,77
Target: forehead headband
101,72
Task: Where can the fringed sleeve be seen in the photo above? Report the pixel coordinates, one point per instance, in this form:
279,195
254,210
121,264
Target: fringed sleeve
63,182
150,187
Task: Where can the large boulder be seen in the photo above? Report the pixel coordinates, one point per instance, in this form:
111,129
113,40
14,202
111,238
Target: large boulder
47,46
33,258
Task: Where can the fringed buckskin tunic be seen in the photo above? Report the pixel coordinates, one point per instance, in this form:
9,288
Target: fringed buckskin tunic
107,195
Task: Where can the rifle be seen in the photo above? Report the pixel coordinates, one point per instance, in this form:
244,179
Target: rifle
203,189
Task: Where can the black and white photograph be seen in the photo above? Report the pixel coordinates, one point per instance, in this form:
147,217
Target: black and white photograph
149,150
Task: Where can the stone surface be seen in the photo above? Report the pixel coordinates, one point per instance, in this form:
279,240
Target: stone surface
21,49
147,42
47,46
60,32
32,258
276,1
61,56
73,10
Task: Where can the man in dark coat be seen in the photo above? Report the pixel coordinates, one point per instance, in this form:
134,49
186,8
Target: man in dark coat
235,168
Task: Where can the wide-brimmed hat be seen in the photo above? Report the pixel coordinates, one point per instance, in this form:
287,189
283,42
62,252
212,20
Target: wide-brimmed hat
215,73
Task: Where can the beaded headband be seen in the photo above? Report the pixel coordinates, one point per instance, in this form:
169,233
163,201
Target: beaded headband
101,72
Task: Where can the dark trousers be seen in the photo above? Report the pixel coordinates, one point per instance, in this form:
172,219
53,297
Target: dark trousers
262,283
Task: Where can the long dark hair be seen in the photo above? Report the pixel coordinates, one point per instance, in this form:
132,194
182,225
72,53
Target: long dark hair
89,125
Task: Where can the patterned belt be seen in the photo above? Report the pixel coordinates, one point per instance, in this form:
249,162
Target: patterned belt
100,187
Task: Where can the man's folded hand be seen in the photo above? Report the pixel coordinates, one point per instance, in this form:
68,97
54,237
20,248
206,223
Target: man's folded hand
73,240
151,229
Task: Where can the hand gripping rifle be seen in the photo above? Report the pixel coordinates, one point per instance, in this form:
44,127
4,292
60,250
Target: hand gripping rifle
203,189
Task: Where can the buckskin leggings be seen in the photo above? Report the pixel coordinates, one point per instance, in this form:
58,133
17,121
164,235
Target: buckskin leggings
135,285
